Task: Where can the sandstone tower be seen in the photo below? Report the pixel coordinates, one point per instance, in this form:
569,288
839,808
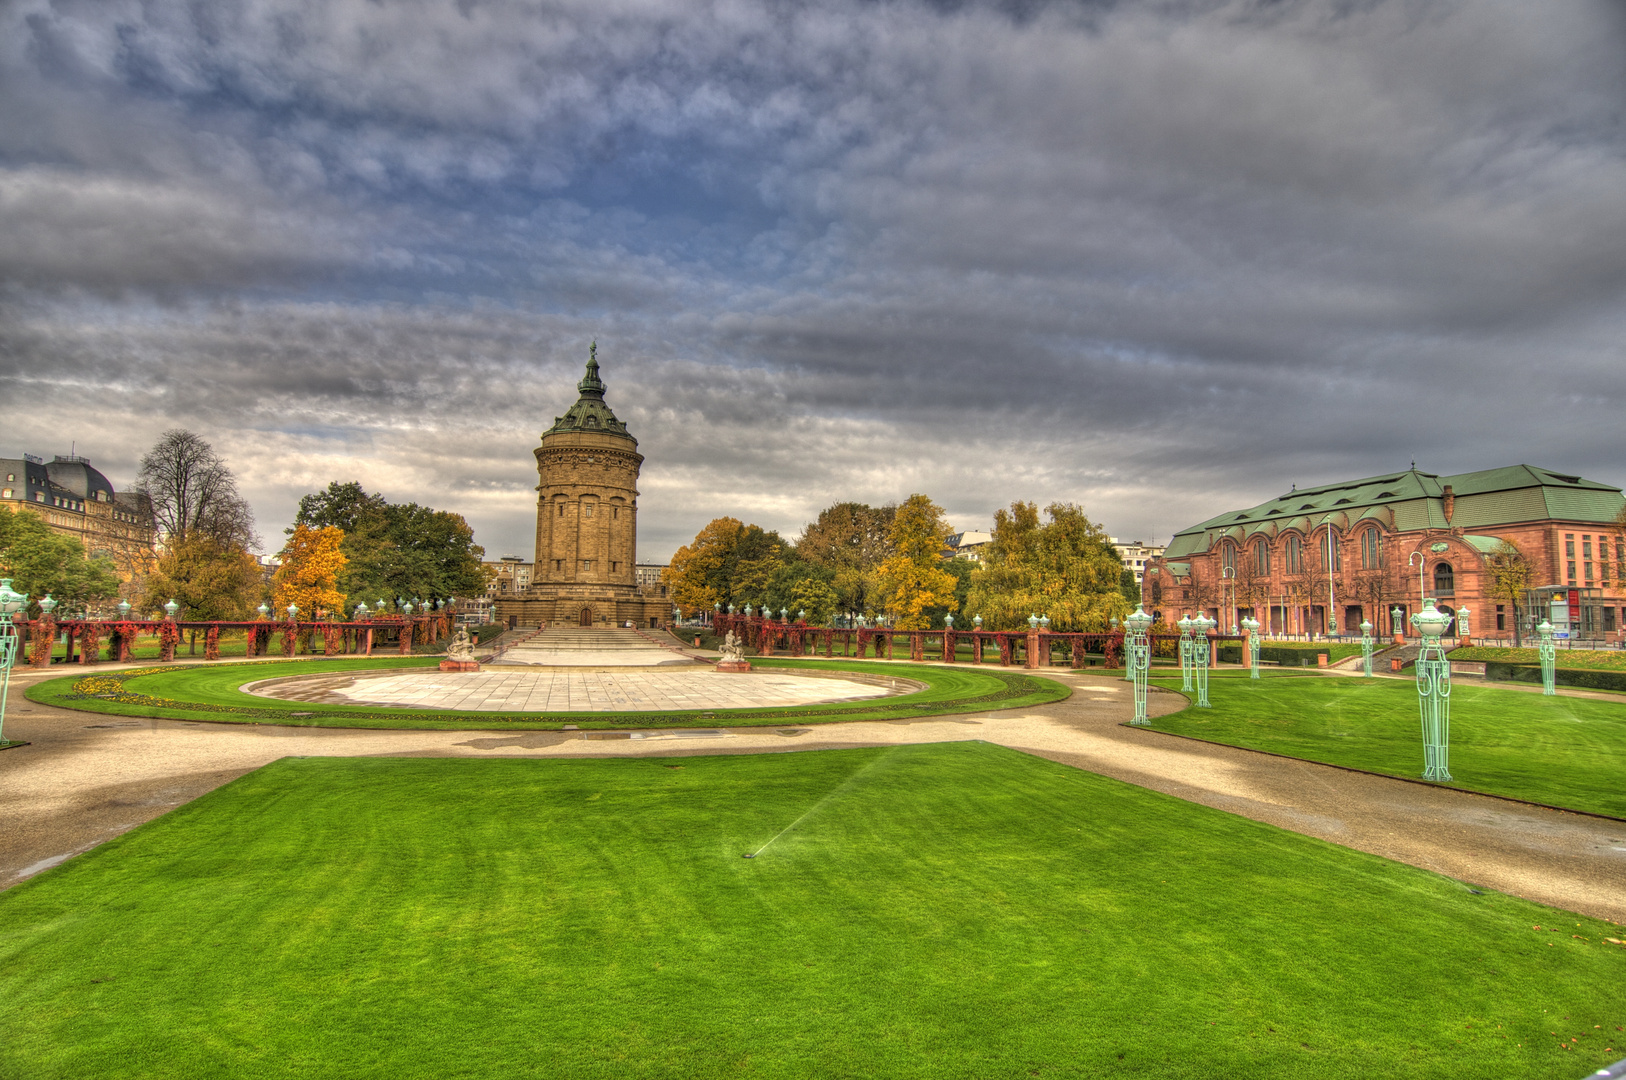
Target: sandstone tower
586,521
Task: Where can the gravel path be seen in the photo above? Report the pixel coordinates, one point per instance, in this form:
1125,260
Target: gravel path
87,777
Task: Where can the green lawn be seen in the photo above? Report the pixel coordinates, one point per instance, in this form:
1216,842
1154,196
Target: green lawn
210,692
956,910
1562,751
1592,659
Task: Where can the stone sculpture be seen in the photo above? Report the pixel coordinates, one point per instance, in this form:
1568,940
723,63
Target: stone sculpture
460,653
733,650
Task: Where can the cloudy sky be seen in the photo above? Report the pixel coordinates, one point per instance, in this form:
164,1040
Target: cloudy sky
1160,258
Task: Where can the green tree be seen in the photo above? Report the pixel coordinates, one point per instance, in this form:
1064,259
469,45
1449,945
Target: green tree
396,550
912,580
1065,568
211,580
1128,587
851,540
40,562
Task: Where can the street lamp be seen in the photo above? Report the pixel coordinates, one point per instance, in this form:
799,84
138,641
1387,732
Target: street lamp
1200,626
1397,622
1366,647
1548,651
1139,654
124,610
1033,622
10,604
1434,691
1185,652
293,612
1228,574
1421,599
1463,635
1251,625
263,610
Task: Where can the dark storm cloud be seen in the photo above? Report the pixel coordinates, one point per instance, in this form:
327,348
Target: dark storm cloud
1159,258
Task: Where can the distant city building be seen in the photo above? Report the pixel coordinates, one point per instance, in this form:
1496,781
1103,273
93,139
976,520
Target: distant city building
648,577
1322,559
76,500
1134,555
968,545
509,576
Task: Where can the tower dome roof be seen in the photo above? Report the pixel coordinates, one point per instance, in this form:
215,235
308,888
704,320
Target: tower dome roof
590,413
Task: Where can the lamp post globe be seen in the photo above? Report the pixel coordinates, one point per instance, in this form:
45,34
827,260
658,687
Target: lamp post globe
1138,658
170,609
293,612
976,622
948,622
1185,653
11,603
1434,691
1397,622
1547,650
263,610
1033,622
47,605
1366,647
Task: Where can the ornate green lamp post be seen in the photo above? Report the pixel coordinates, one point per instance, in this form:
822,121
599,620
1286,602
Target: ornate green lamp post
1434,691
1139,655
1366,647
1548,651
10,604
1251,625
1200,626
1185,652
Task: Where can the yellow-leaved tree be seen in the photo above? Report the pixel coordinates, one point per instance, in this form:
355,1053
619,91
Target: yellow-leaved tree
912,579
311,561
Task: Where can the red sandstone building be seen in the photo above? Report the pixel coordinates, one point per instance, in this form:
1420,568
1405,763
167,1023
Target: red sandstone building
1319,560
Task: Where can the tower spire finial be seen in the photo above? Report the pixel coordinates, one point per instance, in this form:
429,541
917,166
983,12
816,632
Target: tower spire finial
592,384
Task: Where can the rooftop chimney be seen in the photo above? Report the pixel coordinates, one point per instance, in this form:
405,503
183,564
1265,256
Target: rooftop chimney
1450,501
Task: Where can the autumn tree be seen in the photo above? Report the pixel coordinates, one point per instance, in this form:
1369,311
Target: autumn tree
311,564
850,539
1064,567
912,579
211,580
1510,573
728,562
396,549
41,562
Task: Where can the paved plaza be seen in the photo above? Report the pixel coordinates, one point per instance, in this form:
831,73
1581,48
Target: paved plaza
575,690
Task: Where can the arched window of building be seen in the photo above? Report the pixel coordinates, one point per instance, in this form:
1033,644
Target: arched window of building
1228,555
1371,550
1293,555
1332,551
1261,558
1445,583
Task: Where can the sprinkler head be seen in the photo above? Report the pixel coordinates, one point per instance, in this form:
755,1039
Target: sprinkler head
748,855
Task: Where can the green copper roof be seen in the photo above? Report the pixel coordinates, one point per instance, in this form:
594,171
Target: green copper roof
590,413
1482,500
